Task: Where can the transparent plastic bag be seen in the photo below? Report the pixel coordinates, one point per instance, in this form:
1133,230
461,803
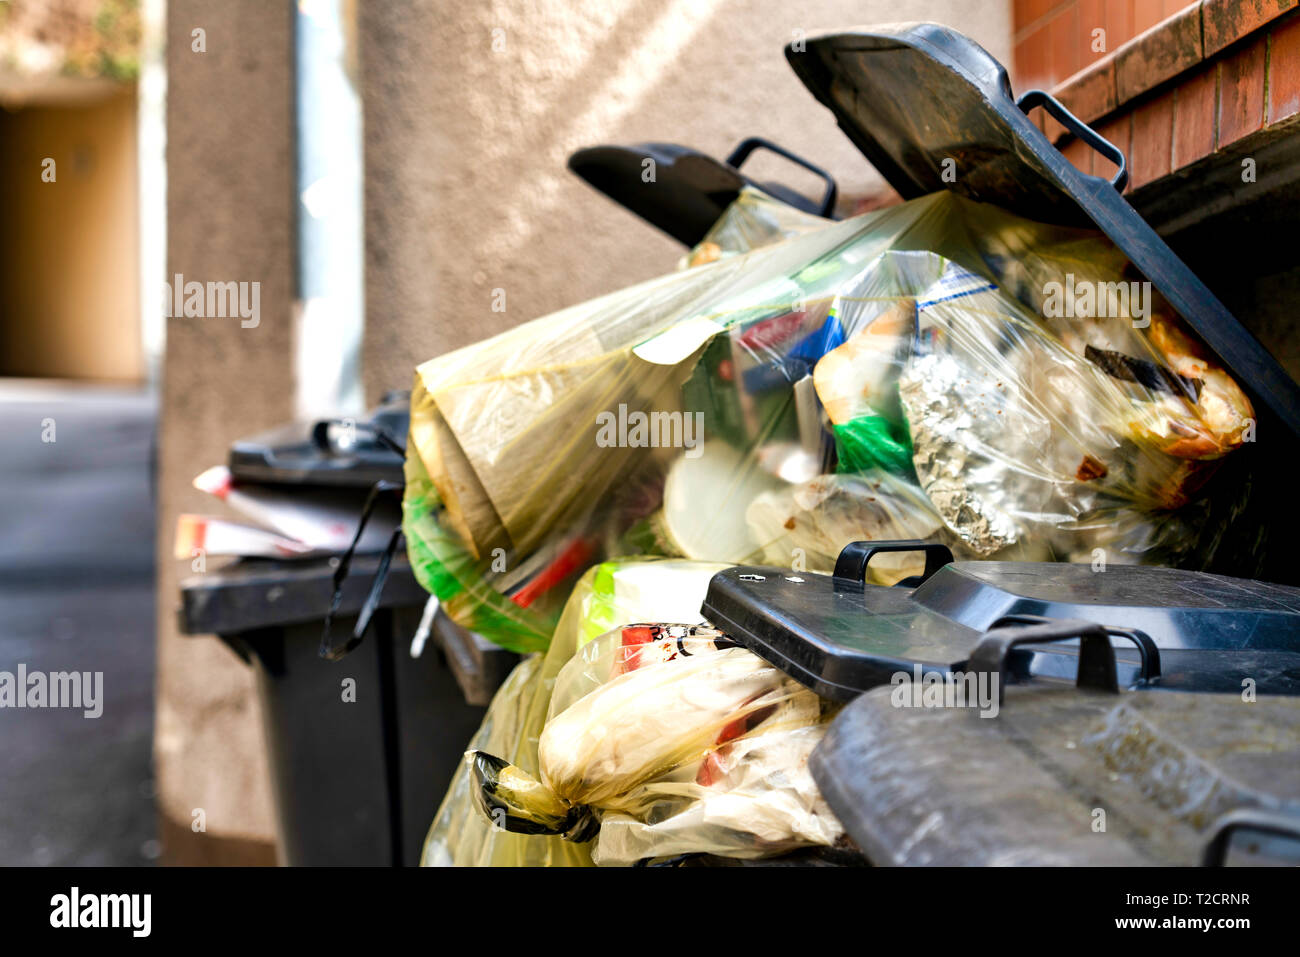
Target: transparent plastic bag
1022,442
664,740
531,453
941,351
609,595
804,526
754,219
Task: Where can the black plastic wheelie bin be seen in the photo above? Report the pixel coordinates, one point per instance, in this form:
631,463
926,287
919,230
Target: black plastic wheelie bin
361,748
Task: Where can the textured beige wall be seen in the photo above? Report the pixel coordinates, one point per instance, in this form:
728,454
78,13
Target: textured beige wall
465,147
466,191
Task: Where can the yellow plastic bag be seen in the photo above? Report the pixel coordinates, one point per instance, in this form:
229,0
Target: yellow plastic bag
943,352
667,740
754,219
606,596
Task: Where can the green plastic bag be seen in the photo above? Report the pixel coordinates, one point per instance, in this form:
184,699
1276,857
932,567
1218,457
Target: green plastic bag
871,442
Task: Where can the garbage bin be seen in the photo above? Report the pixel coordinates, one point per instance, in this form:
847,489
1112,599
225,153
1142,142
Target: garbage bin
1066,776
1177,629
935,113
1044,649
362,749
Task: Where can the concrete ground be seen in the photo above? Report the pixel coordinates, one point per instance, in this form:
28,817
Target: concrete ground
77,593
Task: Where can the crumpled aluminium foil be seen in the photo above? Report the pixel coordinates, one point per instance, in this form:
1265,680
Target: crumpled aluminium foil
966,428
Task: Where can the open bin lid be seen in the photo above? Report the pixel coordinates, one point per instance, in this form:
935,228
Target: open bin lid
690,190
913,95
841,637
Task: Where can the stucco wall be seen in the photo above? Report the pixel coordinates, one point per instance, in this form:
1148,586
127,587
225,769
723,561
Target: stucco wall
466,191
230,208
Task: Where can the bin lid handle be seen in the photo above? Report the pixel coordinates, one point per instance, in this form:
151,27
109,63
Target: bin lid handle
851,566
742,152
1057,110
320,435
1096,656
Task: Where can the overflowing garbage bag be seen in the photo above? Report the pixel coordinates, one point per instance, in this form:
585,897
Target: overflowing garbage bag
938,370
665,740
605,597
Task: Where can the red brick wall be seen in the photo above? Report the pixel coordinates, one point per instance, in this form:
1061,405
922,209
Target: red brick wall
1054,38
1175,82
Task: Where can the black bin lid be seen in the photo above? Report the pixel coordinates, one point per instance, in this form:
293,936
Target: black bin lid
912,95
689,193
335,452
841,637
690,189
1012,791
